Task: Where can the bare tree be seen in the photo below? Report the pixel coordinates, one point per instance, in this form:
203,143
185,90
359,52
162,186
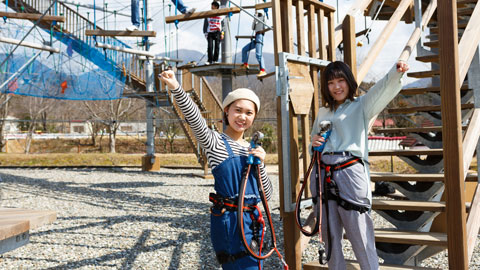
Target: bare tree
35,107
111,113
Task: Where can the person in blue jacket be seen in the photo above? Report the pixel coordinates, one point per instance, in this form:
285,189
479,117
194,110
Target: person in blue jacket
345,172
227,154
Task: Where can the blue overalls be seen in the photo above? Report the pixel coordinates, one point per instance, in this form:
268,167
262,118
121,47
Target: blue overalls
224,231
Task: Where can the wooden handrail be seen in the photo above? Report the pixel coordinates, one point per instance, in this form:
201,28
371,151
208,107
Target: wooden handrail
380,42
415,37
357,8
469,43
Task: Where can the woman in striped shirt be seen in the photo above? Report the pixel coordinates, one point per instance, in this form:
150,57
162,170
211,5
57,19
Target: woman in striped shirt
227,153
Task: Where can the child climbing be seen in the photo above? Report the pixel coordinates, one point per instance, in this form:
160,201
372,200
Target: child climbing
213,30
256,43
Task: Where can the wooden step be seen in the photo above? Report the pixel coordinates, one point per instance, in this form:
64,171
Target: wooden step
411,129
353,265
467,11
409,237
434,108
429,58
461,25
407,152
423,74
379,204
424,90
432,44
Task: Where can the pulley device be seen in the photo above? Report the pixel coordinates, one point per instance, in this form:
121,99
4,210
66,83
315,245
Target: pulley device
324,131
255,248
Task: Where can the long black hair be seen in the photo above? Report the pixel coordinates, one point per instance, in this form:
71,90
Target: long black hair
335,70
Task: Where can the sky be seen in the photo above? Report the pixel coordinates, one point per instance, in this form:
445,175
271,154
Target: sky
189,35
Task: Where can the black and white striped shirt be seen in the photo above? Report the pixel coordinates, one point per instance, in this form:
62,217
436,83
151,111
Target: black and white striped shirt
211,141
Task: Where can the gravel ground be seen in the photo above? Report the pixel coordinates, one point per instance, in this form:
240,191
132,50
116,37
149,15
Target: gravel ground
128,219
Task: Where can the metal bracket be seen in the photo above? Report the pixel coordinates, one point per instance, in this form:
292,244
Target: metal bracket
282,89
14,242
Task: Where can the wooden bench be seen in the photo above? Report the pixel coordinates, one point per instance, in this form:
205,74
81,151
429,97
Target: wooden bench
16,223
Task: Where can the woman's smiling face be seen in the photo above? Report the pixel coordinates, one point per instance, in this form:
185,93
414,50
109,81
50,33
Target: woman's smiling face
240,115
338,89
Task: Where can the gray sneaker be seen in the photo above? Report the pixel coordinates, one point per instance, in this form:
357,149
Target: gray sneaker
190,11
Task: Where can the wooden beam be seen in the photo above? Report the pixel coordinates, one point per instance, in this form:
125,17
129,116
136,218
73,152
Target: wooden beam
332,48
471,139
121,33
277,35
382,39
473,222
452,136
322,28
29,45
349,43
320,5
202,14
300,28
263,5
31,16
126,50
469,43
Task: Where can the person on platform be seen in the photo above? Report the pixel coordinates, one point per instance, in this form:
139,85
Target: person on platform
346,187
213,30
227,155
258,26
135,6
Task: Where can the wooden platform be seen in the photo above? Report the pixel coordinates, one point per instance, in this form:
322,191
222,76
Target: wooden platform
222,68
202,14
120,33
16,223
31,16
352,265
423,177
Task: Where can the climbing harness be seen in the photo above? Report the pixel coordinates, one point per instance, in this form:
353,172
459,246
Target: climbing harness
255,249
325,130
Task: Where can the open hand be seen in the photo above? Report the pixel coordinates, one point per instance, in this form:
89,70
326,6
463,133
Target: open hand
168,77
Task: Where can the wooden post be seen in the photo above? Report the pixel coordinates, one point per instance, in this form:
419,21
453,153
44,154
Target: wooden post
349,44
452,135
332,49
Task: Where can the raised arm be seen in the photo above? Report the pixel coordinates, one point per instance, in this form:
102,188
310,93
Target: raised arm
378,97
190,110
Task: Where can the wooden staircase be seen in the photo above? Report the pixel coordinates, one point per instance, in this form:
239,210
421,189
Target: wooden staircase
419,215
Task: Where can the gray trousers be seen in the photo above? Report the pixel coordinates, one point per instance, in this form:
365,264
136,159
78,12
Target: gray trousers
354,186
359,230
